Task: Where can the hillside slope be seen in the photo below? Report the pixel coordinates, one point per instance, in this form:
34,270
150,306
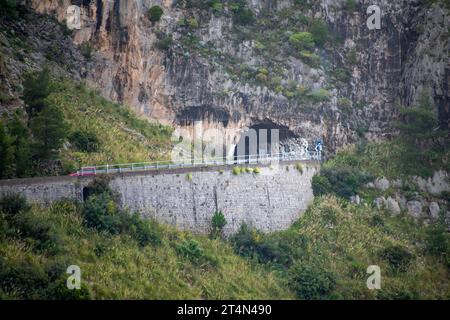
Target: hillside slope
43,70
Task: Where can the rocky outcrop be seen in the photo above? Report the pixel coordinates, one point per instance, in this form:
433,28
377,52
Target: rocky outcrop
435,185
191,81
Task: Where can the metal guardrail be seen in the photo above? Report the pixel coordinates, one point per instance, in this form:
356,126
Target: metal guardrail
192,163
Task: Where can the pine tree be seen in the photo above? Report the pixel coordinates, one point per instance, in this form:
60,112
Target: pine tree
22,146
419,122
49,131
6,153
36,88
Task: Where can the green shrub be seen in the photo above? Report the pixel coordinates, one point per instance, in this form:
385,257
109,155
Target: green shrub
86,50
59,291
6,153
419,122
299,167
280,249
192,250
99,186
49,131
343,181
13,204
164,43
376,221
311,282
244,242
302,40
23,278
85,141
344,102
320,185
237,171
218,222
242,15
193,23
351,5
319,31
101,212
342,75
351,57
38,231
310,58
37,87
397,292
398,257
155,13
216,5
437,241
320,95
257,170
8,8
145,232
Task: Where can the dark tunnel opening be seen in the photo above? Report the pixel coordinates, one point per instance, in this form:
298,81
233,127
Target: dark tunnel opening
264,138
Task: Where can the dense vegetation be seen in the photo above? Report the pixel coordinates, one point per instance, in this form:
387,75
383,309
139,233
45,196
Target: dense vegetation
67,126
325,254
120,256
420,149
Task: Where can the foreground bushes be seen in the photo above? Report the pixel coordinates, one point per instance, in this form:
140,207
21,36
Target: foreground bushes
18,221
311,282
342,181
280,249
101,212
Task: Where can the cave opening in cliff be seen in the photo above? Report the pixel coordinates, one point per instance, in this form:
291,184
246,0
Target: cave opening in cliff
264,138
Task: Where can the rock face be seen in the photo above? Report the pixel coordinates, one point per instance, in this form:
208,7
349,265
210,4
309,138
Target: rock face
435,185
434,210
393,206
383,184
414,208
232,76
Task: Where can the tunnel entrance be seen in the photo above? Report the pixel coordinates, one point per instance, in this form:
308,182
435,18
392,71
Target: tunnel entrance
264,138
86,193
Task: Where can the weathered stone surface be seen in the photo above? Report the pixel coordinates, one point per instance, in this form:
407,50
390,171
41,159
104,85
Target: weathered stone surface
401,200
380,203
414,208
434,210
393,206
355,199
438,183
394,64
268,201
382,184
398,183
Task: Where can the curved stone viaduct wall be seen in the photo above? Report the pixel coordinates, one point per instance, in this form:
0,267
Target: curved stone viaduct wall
187,198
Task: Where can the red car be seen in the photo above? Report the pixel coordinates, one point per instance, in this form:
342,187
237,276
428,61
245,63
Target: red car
84,173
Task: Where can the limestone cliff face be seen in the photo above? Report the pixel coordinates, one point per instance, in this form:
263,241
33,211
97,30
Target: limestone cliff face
231,76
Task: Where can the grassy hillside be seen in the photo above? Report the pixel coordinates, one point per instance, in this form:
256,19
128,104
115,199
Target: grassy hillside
325,254
67,126
147,261
122,136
